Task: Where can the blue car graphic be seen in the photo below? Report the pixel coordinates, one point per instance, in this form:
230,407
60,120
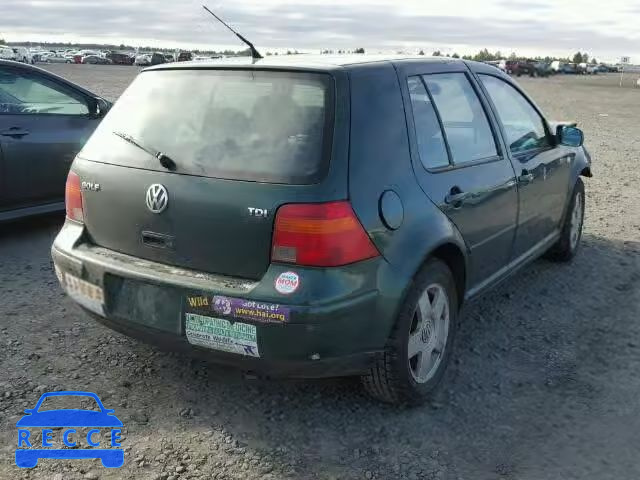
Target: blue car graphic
28,458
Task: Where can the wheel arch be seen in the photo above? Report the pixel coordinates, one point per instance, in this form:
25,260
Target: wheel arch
581,166
452,255
586,172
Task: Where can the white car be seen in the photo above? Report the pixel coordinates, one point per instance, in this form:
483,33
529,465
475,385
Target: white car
22,54
143,60
7,53
86,53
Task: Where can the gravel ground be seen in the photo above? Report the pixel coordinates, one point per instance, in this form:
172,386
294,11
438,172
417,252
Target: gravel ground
544,382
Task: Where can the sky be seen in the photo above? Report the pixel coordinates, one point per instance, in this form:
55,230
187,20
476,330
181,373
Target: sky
605,29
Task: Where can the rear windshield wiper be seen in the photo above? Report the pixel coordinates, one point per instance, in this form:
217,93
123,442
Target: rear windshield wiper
164,160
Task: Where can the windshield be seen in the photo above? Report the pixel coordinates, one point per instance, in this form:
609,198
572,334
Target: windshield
241,125
62,402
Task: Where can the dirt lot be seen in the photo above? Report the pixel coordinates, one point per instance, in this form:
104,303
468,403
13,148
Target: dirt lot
544,385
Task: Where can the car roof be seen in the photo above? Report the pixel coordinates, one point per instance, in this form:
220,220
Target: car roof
302,61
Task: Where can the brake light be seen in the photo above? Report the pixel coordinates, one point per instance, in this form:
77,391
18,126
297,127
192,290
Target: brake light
73,198
320,235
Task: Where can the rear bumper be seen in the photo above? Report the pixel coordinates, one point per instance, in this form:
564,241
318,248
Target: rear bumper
338,320
346,365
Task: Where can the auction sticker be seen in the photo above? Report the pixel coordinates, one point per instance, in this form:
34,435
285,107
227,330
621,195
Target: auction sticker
287,282
220,334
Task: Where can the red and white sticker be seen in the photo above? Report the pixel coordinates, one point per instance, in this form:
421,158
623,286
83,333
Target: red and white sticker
287,282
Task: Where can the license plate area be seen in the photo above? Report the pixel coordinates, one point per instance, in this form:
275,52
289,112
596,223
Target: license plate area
146,304
85,293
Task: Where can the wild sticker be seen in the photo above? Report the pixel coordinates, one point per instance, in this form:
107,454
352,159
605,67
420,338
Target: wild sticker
197,301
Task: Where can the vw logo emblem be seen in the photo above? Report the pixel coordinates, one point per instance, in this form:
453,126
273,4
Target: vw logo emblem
157,198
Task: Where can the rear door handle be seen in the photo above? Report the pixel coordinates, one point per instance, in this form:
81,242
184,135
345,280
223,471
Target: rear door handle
525,177
15,132
455,197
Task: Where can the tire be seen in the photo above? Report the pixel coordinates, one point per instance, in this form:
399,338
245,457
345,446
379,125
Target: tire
569,242
396,377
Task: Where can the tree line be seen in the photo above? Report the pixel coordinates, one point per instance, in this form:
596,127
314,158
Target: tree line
485,55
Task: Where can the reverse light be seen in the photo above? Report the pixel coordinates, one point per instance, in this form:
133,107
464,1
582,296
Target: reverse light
320,235
73,198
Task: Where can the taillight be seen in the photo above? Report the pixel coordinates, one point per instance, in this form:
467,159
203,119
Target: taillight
320,235
73,198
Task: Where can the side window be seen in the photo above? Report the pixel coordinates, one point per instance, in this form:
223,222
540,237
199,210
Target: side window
523,126
22,93
463,118
431,146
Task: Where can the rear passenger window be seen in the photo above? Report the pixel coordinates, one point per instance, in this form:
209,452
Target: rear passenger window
431,146
464,120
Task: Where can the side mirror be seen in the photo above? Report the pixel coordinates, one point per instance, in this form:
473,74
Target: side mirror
570,136
29,410
99,107
103,106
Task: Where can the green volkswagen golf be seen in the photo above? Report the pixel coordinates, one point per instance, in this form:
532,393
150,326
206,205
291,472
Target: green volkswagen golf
316,216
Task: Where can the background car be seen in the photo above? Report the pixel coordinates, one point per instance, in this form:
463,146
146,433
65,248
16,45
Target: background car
542,69
157,58
143,60
556,66
185,57
22,54
533,68
590,69
96,60
44,121
509,66
85,53
119,58
569,68
57,58
7,53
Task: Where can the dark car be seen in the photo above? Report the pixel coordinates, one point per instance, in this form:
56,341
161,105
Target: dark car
316,216
509,66
158,58
533,68
96,60
118,58
44,121
185,57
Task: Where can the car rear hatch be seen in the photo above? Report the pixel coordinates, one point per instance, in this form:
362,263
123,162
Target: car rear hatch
235,144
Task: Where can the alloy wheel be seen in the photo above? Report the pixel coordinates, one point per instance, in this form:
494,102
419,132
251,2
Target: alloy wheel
428,333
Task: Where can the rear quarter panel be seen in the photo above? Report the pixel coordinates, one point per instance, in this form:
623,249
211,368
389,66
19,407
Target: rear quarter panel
380,160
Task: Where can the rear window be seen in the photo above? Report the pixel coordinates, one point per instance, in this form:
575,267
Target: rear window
242,125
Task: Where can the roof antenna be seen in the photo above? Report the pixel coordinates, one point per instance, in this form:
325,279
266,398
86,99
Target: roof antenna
254,53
